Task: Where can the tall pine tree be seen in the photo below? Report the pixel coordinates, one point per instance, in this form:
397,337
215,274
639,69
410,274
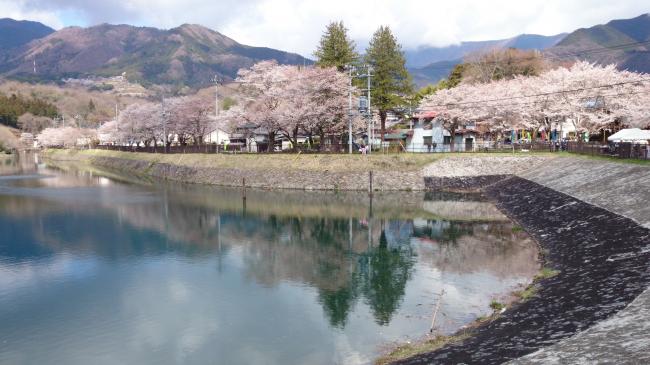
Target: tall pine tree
391,82
335,48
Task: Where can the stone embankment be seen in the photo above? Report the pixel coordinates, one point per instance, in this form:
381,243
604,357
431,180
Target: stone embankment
591,216
288,177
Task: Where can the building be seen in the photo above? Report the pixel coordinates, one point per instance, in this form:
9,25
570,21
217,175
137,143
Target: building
217,136
249,137
427,134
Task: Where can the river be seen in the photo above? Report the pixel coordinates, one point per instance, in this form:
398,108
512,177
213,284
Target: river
98,268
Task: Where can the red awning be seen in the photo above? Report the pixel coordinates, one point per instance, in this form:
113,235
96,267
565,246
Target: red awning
427,115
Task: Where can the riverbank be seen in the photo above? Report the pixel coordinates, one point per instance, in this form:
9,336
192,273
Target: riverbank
304,172
390,172
8,139
603,265
589,215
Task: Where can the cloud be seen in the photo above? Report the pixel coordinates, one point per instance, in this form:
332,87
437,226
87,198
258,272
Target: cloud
296,25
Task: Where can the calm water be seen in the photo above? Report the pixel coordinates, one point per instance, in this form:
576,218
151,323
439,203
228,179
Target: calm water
94,270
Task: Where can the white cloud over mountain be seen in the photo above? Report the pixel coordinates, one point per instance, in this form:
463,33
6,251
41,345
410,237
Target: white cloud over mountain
295,25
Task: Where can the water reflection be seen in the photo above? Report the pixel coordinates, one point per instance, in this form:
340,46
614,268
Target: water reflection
182,274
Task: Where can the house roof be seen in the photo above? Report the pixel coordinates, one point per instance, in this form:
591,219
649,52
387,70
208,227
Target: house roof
426,115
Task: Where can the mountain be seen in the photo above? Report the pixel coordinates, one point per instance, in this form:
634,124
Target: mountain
187,55
430,64
14,33
625,42
423,56
432,73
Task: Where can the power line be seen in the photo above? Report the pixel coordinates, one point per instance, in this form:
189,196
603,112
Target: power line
537,102
543,94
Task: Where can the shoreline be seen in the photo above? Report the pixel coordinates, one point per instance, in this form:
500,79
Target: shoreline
353,173
598,277
577,209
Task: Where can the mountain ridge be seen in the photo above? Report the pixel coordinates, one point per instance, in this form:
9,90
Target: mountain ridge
624,42
188,54
14,33
445,58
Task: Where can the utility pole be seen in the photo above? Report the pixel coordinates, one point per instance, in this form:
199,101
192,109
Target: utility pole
350,69
164,120
370,129
215,79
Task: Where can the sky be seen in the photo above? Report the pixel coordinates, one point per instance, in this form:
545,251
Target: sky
295,25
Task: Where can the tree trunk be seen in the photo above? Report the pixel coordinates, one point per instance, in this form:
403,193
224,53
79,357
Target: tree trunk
321,136
271,146
452,132
294,139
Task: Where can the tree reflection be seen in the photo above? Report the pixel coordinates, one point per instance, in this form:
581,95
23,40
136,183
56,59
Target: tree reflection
346,259
383,274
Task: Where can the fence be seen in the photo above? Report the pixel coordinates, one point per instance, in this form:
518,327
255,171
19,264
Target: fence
484,146
620,150
393,147
230,148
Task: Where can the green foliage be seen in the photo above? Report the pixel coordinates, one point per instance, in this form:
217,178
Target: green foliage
336,49
454,79
12,107
391,81
546,273
527,293
411,349
102,87
455,76
228,103
497,306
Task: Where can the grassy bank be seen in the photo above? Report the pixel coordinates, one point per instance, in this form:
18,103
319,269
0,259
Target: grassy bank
8,139
275,162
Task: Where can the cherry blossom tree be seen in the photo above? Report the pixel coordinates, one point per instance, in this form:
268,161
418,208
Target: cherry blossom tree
287,100
588,95
66,137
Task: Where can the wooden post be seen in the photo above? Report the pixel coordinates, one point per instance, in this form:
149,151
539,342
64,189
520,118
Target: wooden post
370,183
243,191
435,312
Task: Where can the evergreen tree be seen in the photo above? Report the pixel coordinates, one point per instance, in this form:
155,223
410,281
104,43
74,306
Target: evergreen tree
335,48
391,82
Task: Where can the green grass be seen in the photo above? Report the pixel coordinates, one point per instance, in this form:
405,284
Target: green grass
496,305
411,349
516,229
546,273
276,162
527,293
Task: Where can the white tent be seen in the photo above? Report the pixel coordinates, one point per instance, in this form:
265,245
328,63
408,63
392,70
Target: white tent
632,135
